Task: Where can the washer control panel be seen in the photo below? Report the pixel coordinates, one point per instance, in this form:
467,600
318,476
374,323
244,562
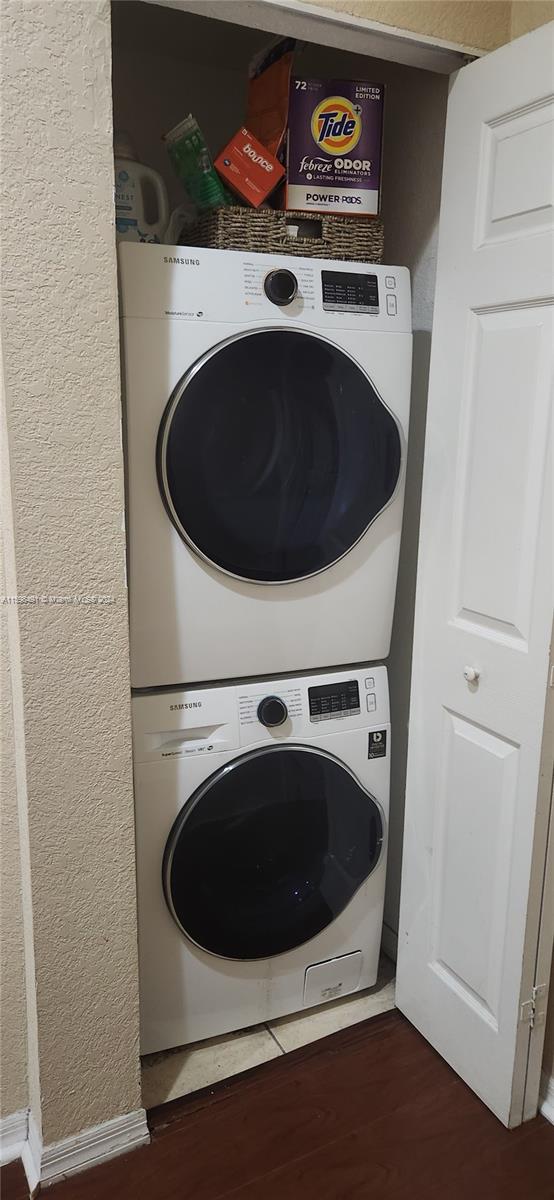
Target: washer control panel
216,719
313,705
257,703
328,701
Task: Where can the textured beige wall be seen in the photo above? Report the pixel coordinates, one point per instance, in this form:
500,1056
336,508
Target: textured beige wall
13,1023
529,14
481,24
60,342
17,1024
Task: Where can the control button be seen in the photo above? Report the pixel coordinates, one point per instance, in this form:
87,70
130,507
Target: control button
390,281
371,702
272,711
370,682
281,287
391,306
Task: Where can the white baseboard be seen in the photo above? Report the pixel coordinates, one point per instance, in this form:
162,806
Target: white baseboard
546,1099
49,1164
13,1133
94,1146
31,1155
389,942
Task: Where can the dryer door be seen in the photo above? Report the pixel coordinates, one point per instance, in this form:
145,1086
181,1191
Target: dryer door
275,455
269,851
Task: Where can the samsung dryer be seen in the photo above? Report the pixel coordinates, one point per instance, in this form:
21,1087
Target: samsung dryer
267,403
261,823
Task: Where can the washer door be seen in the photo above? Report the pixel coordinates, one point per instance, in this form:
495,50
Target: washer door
275,455
269,851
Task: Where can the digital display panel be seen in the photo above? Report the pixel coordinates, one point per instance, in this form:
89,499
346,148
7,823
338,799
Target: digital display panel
350,291
331,700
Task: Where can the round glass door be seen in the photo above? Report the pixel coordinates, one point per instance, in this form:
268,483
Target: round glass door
275,455
269,851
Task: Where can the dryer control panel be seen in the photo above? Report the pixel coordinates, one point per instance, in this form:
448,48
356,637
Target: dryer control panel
183,283
349,291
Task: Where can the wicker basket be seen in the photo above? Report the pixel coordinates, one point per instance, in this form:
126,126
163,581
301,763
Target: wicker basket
264,230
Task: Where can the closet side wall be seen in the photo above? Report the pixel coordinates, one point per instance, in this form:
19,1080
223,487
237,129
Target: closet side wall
13,1038
61,359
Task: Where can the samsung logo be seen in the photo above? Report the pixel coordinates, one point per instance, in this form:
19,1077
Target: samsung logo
193,704
182,262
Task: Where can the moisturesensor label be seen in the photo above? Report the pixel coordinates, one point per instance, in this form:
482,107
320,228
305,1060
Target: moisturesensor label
334,146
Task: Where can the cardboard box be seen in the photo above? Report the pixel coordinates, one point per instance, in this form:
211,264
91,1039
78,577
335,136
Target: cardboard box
248,168
334,146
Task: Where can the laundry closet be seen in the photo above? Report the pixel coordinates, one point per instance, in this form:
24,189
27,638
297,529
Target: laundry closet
166,63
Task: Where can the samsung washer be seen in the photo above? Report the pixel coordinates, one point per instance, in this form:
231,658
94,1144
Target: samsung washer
261,818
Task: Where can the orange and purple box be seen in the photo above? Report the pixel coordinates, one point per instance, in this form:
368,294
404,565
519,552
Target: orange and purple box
334,146
248,168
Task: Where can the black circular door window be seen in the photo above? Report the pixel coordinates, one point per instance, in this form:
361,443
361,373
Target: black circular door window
275,454
269,851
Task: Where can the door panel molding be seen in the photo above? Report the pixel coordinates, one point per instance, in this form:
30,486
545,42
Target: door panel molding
469,916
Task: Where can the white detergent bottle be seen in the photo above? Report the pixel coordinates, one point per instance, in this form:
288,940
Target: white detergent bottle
141,204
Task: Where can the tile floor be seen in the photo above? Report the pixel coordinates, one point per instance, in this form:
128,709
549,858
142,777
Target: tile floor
174,1073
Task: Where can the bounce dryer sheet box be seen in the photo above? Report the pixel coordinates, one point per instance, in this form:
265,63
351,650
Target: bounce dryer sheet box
248,168
334,146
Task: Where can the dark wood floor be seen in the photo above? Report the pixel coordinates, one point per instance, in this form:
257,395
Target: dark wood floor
371,1113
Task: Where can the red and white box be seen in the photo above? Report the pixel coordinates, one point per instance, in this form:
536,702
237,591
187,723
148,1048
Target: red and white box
248,168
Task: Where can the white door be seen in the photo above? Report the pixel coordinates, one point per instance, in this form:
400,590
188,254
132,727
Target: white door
484,589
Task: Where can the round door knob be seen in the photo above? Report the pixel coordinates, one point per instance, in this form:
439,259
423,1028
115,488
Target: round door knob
272,711
471,674
281,287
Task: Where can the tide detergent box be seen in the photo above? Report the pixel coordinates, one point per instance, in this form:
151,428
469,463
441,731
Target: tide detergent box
334,146
248,168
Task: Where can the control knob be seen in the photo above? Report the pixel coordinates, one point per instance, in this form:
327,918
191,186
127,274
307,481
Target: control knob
281,286
272,711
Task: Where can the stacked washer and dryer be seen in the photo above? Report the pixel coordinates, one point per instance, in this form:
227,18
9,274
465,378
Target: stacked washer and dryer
267,405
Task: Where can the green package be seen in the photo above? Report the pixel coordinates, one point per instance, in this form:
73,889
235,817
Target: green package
192,162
